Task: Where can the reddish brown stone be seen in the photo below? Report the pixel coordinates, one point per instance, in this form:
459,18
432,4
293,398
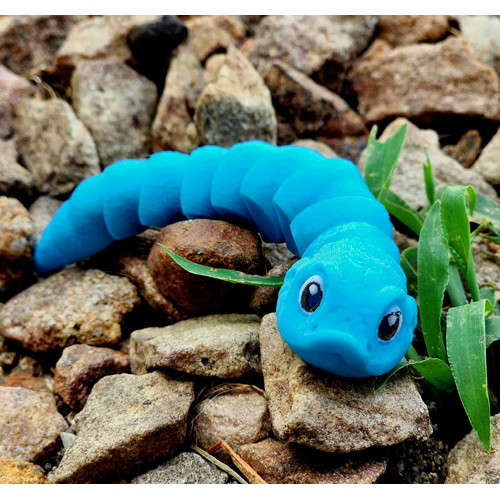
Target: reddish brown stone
466,150
25,378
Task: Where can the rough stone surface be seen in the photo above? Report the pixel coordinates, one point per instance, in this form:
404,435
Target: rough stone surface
54,145
312,44
15,180
80,367
16,243
24,377
405,30
29,424
20,472
334,414
309,109
238,417
129,421
41,212
74,305
211,243
276,253
467,149
12,88
318,146
487,265
117,105
186,468
286,463
221,345
469,462
183,86
236,106
408,178
488,163
424,82
360,28
29,43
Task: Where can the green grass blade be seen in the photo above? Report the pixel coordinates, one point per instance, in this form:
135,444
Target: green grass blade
381,159
397,207
488,209
456,229
430,185
408,261
492,330
466,344
224,274
432,280
455,287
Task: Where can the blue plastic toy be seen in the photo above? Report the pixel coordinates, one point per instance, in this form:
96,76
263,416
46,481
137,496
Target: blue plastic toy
343,307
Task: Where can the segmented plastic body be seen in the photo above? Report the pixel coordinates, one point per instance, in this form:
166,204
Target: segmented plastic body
343,306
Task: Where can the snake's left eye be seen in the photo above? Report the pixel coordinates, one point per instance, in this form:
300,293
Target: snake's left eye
311,294
390,324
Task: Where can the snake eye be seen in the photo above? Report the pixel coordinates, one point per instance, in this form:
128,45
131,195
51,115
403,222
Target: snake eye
390,324
311,294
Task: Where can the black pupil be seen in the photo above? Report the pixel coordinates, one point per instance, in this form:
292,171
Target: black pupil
389,325
311,297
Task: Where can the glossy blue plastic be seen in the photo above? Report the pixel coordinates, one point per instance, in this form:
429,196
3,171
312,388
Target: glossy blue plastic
343,306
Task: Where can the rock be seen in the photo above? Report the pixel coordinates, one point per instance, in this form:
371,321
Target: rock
28,43
423,82
314,45
54,145
183,86
487,164
318,146
15,180
25,378
20,472
12,88
100,37
80,367
220,345
466,150
186,468
470,463
129,421
29,424
152,44
211,243
487,266
349,148
16,244
308,108
360,28
408,178
276,253
286,463
237,417
236,106
335,414
211,34
483,33
74,305
117,106
41,213
406,30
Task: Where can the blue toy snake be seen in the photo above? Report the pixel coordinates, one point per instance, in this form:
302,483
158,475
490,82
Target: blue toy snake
343,306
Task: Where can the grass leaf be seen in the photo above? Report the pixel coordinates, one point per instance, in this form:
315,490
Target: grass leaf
224,274
397,207
488,209
455,287
408,261
430,185
466,344
492,330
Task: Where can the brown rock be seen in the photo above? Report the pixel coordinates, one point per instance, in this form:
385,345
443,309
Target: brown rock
29,424
349,148
211,243
74,305
25,378
425,81
286,463
20,472
220,345
28,43
12,88
335,414
41,213
318,146
117,105
15,180
129,421
80,367
466,150
55,146
405,30
308,108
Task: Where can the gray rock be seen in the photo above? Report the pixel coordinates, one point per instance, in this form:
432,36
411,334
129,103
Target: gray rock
488,163
408,178
15,180
220,345
41,212
129,421
360,28
335,414
117,105
29,424
276,253
74,305
236,106
54,145
186,468
470,463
